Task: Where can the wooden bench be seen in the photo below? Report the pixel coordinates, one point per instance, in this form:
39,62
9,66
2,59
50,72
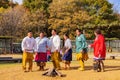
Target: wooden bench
10,59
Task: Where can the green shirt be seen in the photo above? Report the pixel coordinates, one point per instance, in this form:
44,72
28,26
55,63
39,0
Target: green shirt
80,43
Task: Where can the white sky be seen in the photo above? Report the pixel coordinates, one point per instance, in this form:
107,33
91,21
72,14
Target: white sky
19,1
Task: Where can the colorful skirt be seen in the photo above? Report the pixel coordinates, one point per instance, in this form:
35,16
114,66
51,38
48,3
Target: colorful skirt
41,57
67,56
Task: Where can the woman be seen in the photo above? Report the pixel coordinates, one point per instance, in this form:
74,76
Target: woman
67,56
81,49
99,50
41,56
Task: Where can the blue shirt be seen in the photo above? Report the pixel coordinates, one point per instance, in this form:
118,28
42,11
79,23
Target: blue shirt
80,43
42,44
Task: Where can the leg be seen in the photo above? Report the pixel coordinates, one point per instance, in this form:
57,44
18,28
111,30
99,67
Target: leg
42,65
24,61
102,66
68,64
65,65
57,64
99,66
30,65
80,58
38,64
54,64
81,65
30,60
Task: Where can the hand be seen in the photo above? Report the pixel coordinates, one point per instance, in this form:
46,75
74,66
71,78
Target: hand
24,51
56,51
66,51
35,53
89,46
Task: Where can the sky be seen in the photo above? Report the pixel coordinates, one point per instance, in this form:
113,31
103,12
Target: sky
116,4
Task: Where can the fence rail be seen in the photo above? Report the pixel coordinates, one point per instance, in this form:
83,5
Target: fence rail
112,46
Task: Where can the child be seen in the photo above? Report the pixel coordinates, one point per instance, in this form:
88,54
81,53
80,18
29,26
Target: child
67,56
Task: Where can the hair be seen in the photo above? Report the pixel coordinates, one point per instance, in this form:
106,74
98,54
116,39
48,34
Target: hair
67,35
42,32
98,31
29,31
79,30
54,30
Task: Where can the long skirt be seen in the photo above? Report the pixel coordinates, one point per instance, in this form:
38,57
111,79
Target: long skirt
41,57
67,56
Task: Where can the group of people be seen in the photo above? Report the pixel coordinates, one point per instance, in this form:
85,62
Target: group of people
41,44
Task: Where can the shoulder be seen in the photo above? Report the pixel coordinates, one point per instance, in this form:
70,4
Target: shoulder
82,35
68,40
25,38
57,37
45,38
37,38
101,36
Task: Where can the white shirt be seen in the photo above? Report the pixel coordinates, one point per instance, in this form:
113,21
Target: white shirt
68,44
29,44
55,43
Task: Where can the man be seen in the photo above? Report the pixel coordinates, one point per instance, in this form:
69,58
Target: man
28,47
55,48
81,48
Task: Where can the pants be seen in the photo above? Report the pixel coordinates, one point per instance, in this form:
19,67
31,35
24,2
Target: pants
81,58
55,57
27,58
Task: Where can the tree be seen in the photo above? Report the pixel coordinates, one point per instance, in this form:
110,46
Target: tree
34,22
66,16
34,5
11,22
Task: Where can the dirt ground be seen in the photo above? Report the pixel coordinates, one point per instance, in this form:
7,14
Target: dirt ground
13,71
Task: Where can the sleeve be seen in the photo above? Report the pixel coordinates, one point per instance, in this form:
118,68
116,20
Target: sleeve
92,45
57,42
84,44
48,42
35,46
69,44
23,44
101,40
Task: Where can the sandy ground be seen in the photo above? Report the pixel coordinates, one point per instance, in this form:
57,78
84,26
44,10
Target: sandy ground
13,71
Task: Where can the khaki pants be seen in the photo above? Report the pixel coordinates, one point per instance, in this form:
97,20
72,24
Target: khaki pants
27,58
55,57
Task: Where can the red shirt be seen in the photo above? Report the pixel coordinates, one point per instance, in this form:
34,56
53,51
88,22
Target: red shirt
99,47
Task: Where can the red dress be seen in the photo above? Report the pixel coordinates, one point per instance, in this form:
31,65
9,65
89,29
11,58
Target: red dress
99,47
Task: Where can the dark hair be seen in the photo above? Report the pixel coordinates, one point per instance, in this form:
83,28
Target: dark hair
79,30
54,30
67,35
98,31
29,31
42,32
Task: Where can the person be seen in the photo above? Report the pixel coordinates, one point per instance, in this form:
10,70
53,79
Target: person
67,56
41,56
99,49
81,48
55,48
28,48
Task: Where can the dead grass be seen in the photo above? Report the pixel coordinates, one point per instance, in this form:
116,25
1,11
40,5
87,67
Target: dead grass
14,72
